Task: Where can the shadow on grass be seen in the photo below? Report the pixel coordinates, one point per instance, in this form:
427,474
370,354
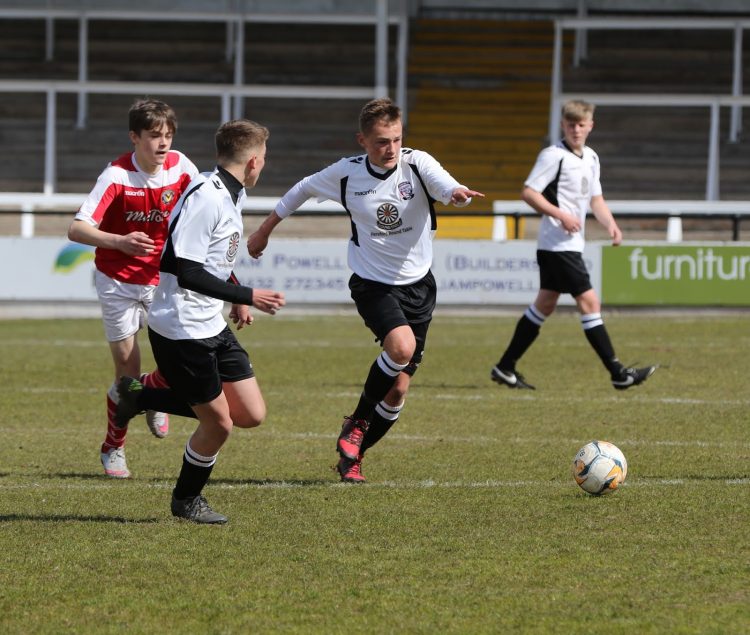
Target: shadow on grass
83,475
271,482
695,477
444,386
9,518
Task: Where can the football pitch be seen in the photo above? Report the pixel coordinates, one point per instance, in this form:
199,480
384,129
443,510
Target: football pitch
470,521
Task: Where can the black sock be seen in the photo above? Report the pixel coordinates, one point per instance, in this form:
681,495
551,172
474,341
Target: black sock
526,332
194,474
382,421
164,400
380,380
596,334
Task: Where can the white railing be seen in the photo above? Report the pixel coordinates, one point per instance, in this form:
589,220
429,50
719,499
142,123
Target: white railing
735,101
235,42
673,211
30,205
222,91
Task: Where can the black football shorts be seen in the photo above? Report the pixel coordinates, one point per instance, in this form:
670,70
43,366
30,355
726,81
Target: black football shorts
196,369
563,271
383,307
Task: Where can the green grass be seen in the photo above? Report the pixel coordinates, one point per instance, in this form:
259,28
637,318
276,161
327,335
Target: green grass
470,521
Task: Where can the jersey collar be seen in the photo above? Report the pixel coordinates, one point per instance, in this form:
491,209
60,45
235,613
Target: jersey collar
569,149
234,187
379,175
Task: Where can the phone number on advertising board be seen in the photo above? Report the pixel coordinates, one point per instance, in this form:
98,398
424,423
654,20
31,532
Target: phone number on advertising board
299,284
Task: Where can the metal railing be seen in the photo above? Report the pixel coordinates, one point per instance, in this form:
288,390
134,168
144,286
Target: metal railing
735,101
32,205
222,91
235,41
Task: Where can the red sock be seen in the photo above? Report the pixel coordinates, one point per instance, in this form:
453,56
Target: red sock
115,436
154,379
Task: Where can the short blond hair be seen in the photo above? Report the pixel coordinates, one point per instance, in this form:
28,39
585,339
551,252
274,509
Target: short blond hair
236,137
377,110
577,110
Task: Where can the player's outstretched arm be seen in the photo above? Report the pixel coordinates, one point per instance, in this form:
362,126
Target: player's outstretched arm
462,196
258,240
268,300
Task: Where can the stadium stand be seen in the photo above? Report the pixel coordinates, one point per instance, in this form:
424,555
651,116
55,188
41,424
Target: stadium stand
478,85
307,134
657,152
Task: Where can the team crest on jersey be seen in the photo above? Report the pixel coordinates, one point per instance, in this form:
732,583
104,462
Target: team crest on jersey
584,186
406,190
388,217
234,245
167,196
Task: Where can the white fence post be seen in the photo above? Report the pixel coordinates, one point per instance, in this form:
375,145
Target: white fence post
581,44
239,66
402,54
49,39
712,177
674,229
736,121
229,44
381,49
554,107
27,221
499,229
50,145
83,70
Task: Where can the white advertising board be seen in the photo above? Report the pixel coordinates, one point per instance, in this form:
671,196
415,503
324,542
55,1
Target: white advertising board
307,271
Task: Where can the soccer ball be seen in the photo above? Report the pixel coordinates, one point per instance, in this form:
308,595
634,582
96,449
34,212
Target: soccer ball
599,467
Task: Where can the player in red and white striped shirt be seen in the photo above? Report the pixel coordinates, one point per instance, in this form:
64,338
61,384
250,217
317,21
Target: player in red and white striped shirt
126,218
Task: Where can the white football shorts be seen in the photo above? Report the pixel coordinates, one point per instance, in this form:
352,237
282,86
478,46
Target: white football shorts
124,306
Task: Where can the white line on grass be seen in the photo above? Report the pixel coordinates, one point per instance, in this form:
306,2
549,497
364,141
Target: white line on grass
74,343
407,485
278,433
445,396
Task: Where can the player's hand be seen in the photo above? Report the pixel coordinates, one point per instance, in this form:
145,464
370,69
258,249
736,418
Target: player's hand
240,315
570,223
256,244
136,244
616,235
267,300
462,196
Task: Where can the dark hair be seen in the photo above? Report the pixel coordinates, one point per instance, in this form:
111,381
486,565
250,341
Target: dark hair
236,137
376,110
150,114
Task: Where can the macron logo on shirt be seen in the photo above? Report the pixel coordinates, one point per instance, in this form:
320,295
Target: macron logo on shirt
135,193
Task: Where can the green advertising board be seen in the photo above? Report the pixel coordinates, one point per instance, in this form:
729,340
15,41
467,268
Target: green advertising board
706,275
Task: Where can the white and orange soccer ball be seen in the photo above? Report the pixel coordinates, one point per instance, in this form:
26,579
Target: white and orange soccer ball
599,467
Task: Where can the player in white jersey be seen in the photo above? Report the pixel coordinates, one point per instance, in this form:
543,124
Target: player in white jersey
209,373
562,185
125,217
389,194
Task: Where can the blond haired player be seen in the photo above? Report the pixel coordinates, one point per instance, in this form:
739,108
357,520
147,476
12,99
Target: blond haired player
562,185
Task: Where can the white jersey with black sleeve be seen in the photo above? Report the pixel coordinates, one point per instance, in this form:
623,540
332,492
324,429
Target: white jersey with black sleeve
206,227
392,211
568,181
